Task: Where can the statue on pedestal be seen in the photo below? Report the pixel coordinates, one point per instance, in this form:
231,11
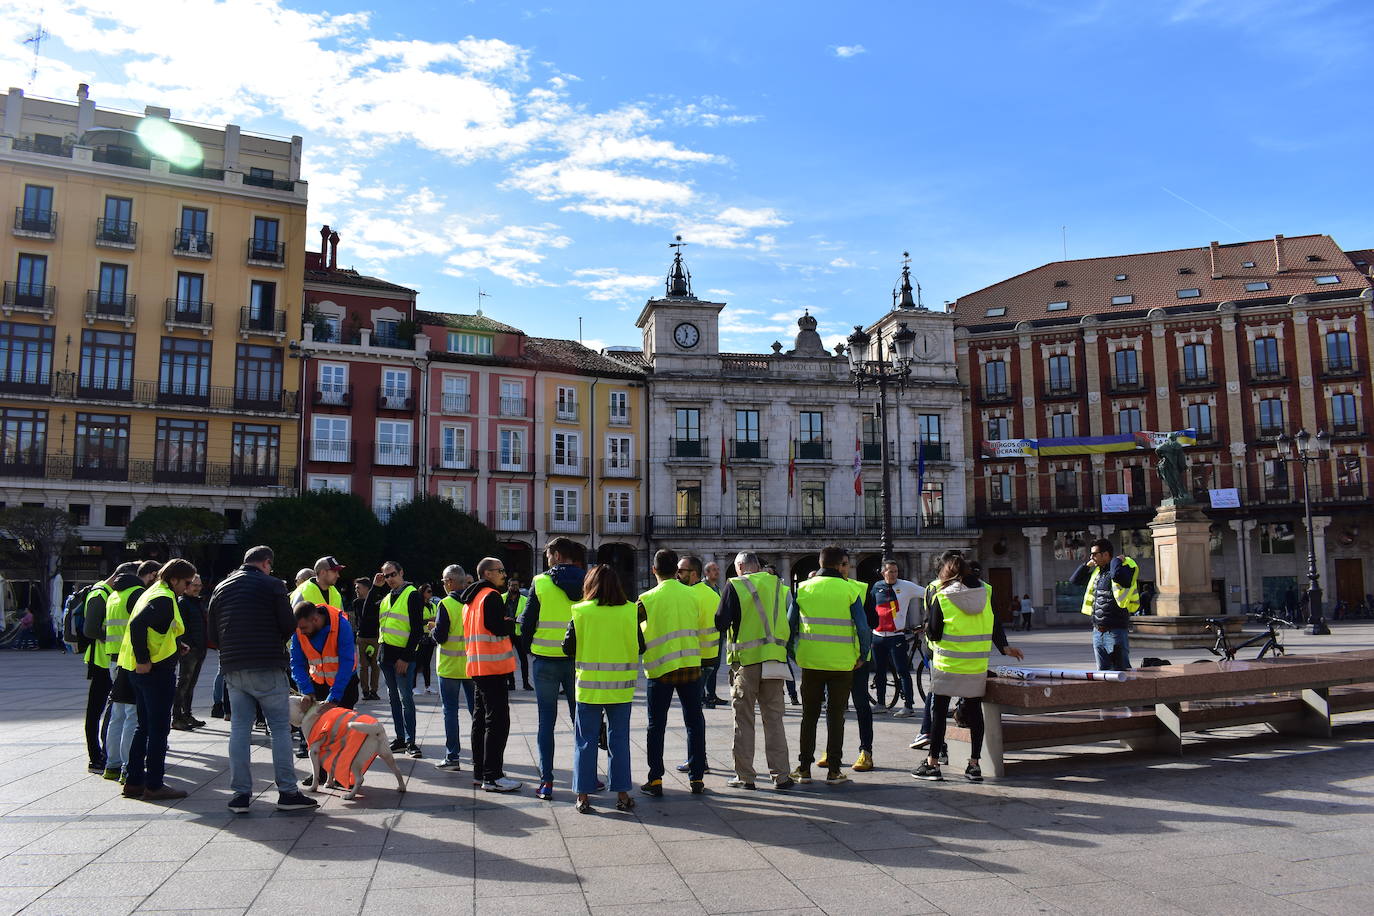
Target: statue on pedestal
1172,466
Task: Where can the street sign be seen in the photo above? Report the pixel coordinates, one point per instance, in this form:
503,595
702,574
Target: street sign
1228,498
1114,502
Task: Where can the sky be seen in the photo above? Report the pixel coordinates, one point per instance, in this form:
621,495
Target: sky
546,153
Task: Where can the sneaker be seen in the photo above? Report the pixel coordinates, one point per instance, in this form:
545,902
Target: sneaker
111,773
698,787
95,769
922,741
824,762
545,791
836,777
927,772
802,775
863,763
944,757
526,686
973,772
165,793
414,751
737,783
196,723
905,712
308,781
302,752
504,784
653,787
399,744
296,802
685,767
182,725
453,766
784,783
239,803
123,777
217,711
132,790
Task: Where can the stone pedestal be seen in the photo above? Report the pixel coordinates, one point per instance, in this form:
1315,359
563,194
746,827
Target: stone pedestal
1183,581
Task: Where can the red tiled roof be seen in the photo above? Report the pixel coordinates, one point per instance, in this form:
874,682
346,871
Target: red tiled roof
1153,280
353,278
1362,258
463,322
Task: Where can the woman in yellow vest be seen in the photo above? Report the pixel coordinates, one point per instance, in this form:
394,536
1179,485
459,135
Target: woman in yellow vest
149,651
961,629
605,642
424,653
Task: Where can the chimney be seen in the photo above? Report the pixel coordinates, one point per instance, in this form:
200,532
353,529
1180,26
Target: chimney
324,243
1216,274
1279,265
333,251
83,92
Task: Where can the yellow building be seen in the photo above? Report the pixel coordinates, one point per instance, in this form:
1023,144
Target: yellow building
151,274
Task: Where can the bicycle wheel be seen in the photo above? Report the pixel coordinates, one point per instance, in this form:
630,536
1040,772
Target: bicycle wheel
922,678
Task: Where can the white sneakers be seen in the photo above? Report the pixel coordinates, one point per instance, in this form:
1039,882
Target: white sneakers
504,784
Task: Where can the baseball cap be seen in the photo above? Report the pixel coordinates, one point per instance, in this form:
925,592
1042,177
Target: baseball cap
328,563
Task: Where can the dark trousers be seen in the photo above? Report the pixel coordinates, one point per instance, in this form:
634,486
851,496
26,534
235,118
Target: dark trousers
890,654
187,674
939,714
96,697
490,726
863,705
660,699
524,656
424,657
154,694
832,687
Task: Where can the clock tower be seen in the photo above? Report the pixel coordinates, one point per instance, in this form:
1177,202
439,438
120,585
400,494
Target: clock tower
681,332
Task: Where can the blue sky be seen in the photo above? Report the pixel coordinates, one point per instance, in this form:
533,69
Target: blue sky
548,152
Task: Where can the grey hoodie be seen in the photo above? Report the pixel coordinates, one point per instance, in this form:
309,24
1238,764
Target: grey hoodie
971,600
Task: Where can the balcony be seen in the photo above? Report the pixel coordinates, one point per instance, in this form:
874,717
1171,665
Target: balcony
1349,492
100,467
997,394
266,253
332,397
812,449
749,449
452,458
190,313
273,400
1207,436
192,395
1347,431
112,154
622,468
191,243
268,181
1060,388
33,381
392,341
1267,372
395,399
451,403
664,525
1277,492
575,524
264,322
1340,367
1196,378
167,469
931,451
513,407
872,451
116,233
566,413
567,467
44,144
31,223
107,305
510,462
1134,383
26,297
393,454
23,461
107,388
688,448
618,419
333,450
1263,431
259,474
610,524
499,520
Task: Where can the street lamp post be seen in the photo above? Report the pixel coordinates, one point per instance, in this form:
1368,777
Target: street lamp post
873,368
1307,448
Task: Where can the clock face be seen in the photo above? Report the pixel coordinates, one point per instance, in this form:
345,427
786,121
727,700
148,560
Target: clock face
925,345
686,335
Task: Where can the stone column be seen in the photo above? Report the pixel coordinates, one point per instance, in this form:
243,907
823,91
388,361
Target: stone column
1035,559
1319,523
1242,528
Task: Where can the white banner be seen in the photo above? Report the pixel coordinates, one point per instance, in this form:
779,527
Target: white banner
1066,674
1004,448
1115,502
1228,498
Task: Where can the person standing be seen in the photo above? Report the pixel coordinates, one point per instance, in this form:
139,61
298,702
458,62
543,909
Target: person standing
670,619
753,613
516,602
123,717
893,600
368,627
691,574
710,697
401,621
424,652
1112,595
830,638
252,620
545,623
324,659
322,587
192,611
453,664
487,631
605,642
863,675
97,669
149,652
1027,612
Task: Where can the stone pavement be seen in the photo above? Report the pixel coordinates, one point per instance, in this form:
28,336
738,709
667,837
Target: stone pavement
1252,825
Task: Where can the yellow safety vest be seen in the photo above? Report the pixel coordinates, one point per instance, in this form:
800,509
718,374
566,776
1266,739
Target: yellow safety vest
555,613
709,602
672,628
160,645
394,618
763,628
1128,596
963,649
827,639
95,652
309,590
607,664
117,608
453,652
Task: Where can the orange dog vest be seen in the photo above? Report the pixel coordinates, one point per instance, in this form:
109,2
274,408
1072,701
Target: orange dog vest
338,745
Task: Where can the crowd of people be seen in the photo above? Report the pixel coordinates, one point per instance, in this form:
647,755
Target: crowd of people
575,634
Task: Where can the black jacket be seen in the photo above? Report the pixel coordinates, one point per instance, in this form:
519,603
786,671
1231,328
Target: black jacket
1106,612
415,610
251,617
498,622
193,619
157,615
366,617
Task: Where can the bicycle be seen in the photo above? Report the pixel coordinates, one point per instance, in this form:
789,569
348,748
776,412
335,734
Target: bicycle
1271,638
919,668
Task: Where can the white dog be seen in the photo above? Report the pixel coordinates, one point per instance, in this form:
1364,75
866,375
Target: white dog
346,741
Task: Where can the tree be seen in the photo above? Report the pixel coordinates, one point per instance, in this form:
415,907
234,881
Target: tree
317,523
428,533
41,535
179,531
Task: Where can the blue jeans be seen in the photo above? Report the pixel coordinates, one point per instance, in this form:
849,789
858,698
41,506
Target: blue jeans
148,753
400,690
449,690
1113,649
587,732
218,690
660,698
863,705
267,688
549,674
119,731
889,652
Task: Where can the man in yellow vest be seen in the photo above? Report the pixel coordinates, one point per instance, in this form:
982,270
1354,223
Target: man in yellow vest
670,619
322,587
544,624
1112,595
123,718
454,683
97,667
830,639
690,574
753,612
401,615
710,665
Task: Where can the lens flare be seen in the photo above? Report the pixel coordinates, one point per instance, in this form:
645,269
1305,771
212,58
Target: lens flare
165,141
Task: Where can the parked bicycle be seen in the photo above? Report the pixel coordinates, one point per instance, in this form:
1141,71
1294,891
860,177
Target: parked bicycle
918,663
1270,641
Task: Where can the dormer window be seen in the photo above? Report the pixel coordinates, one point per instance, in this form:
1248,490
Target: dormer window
1122,300
996,312
1327,280
1257,287
469,344
1247,264
1189,293
1120,277
1057,307
1060,284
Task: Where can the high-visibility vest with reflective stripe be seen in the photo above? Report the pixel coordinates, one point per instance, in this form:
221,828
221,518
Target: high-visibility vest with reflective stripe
607,664
763,627
323,663
453,652
117,608
96,653
555,611
520,604
160,645
1127,596
337,745
966,643
709,603
826,638
394,618
487,653
672,628
310,590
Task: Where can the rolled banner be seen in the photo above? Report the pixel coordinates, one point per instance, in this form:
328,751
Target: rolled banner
1066,674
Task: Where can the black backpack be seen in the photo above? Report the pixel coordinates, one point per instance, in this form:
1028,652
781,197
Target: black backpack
74,618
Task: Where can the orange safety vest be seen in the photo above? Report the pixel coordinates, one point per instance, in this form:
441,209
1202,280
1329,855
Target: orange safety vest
337,744
324,665
487,653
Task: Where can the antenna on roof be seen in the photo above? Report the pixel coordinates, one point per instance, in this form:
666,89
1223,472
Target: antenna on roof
579,328
1064,238
480,296
36,39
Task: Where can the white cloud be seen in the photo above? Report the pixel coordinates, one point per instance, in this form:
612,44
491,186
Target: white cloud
560,180
847,51
841,262
751,219
608,284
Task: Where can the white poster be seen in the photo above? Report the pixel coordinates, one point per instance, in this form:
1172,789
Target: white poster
1114,502
1228,498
